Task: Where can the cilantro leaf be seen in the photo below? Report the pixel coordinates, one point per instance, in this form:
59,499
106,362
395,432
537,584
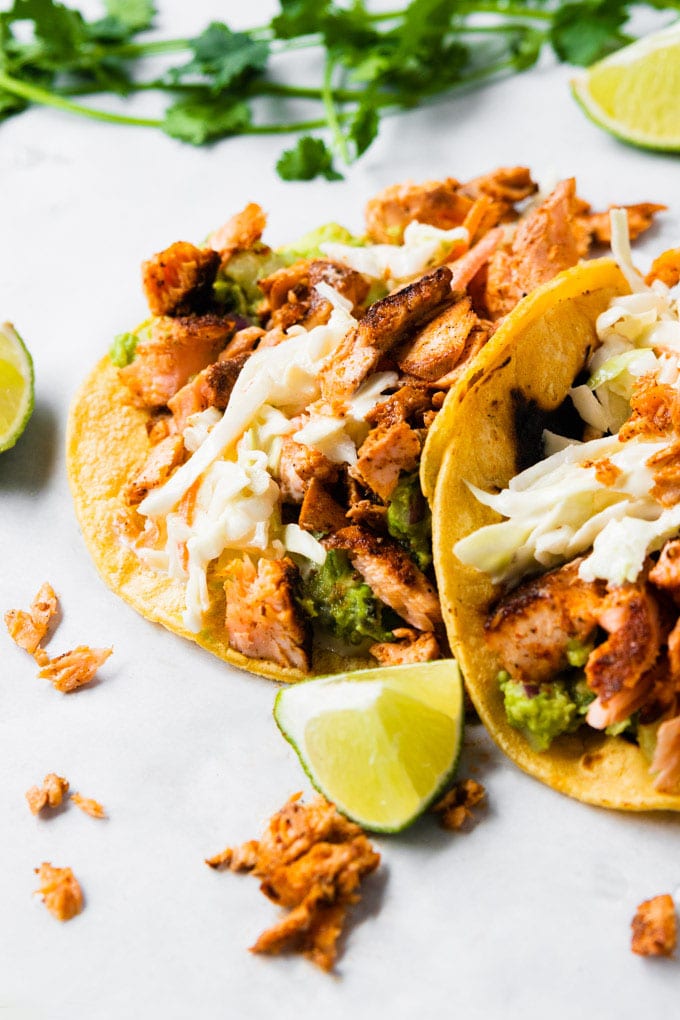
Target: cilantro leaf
109,30
586,31
363,128
223,56
136,15
124,18
310,158
201,120
350,31
300,17
526,49
60,33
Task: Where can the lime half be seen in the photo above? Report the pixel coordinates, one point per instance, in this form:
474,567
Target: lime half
16,386
380,743
635,93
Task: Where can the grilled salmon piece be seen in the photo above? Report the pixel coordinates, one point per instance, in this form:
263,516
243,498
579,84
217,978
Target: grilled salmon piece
439,203
298,465
408,646
240,232
508,184
548,240
532,626
391,574
263,620
384,454
179,280
177,350
210,388
654,927
157,468
387,323
28,629
640,218
244,341
630,615
666,571
408,402
293,298
319,511
665,268
666,760
439,346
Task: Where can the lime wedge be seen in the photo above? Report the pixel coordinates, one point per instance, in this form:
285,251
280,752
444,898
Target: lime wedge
380,743
16,386
635,93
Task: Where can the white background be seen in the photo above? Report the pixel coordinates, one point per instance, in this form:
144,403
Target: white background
527,915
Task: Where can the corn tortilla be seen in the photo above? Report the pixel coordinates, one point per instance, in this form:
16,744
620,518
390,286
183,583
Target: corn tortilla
106,444
536,354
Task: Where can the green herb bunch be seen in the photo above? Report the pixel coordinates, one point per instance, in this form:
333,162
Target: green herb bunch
371,63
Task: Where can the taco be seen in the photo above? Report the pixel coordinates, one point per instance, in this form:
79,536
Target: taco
245,464
556,533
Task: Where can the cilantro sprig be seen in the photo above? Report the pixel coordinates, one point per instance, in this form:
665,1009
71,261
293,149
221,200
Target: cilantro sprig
371,64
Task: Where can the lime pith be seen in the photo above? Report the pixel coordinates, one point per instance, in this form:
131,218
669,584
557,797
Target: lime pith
635,93
16,386
380,743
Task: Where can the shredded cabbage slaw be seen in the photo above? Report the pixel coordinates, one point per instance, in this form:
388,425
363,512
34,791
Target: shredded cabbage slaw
234,456
557,509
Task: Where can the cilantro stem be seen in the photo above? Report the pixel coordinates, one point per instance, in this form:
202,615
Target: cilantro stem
508,10
252,91
512,26
339,140
285,129
131,51
36,94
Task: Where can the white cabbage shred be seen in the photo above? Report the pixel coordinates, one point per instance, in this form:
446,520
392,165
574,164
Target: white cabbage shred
423,246
557,509
230,476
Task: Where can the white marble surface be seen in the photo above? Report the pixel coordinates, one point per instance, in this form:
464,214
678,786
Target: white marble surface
527,915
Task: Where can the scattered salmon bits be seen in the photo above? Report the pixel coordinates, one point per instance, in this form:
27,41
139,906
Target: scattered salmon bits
310,860
60,891
29,629
50,794
455,807
74,669
655,927
89,806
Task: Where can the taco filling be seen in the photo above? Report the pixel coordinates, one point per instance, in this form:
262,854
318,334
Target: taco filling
285,397
587,630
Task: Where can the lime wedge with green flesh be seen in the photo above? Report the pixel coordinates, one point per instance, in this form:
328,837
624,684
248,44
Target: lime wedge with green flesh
16,386
635,93
381,743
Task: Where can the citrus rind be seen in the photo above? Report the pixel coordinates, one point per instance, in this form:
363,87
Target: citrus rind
16,386
381,744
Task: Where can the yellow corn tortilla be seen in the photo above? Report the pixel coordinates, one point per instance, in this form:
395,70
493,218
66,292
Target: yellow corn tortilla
106,444
538,351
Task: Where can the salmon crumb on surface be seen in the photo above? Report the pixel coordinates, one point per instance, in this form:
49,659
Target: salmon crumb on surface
91,807
60,891
311,860
50,794
455,807
28,629
74,669
655,927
